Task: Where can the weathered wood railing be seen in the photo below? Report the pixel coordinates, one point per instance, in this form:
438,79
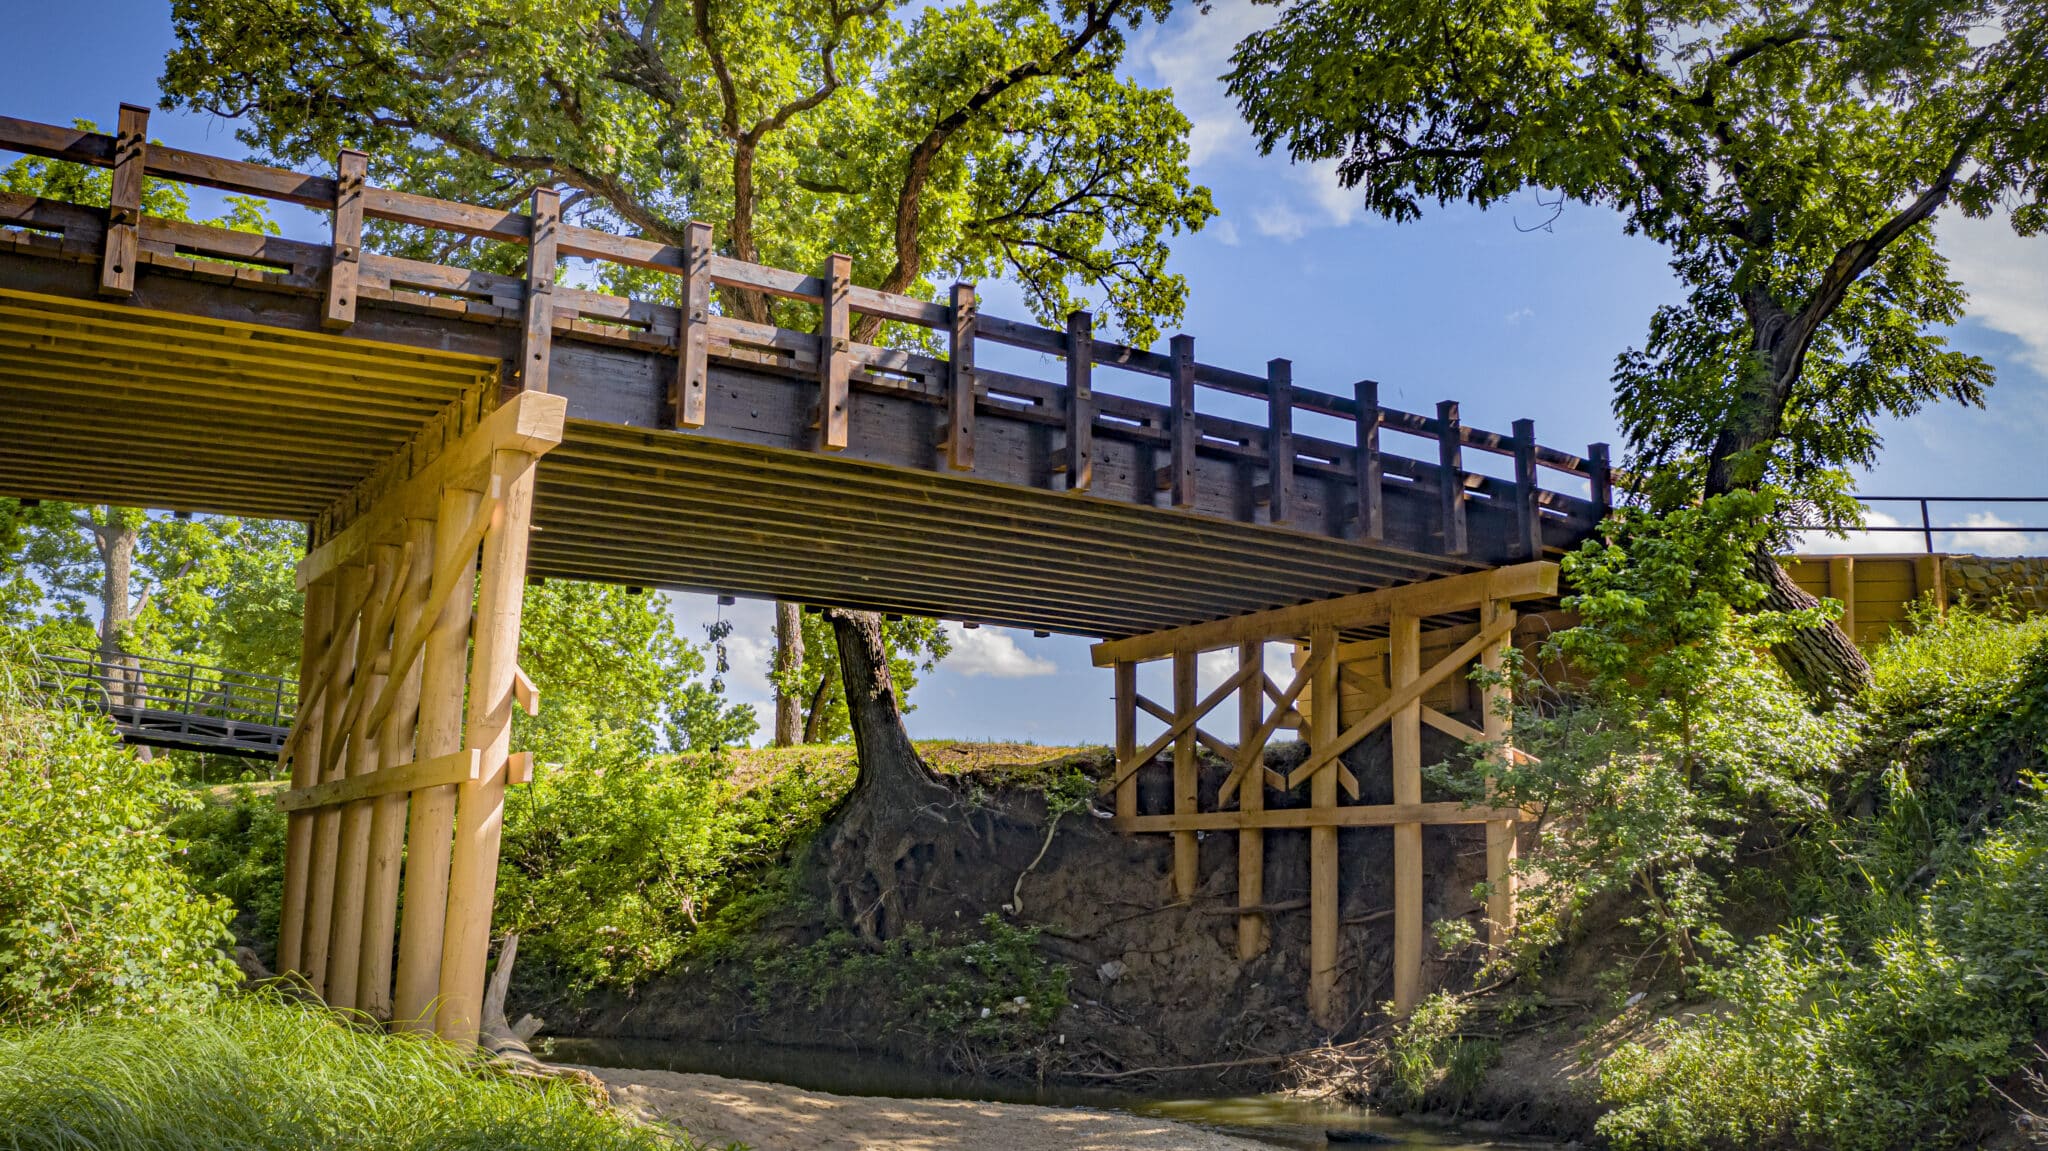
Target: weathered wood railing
692,333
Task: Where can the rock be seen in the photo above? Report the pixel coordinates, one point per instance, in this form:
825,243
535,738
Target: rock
1112,971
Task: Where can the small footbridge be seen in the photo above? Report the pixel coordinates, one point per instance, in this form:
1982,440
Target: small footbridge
173,703
449,433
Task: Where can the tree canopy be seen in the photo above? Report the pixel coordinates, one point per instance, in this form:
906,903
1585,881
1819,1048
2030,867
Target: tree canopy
1791,156
947,141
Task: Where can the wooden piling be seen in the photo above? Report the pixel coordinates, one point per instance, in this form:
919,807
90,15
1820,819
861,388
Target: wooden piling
1404,667
1187,852
298,854
388,812
319,915
1324,899
352,851
1253,932
1496,701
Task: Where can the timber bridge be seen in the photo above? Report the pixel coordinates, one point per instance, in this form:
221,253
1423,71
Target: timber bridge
449,433
176,703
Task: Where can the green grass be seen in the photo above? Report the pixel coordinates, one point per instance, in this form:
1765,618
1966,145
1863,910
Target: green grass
256,1072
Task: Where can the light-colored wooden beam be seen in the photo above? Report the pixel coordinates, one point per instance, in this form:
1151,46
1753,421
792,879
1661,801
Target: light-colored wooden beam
1533,580
1187,852
1253,749
523,691
1325,900
1459,729
1501,837
1186,720
395,745
1253,932
305,772
406,777
1127,737
528,422
1433,814
1404,665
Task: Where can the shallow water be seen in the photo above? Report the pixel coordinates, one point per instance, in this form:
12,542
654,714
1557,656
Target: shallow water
1280,1121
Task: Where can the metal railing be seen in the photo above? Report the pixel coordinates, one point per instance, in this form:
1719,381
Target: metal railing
1927,527
178,703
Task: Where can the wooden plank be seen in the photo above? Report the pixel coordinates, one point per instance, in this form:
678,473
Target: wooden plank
305,772
319,917
124,203
959,446
1324,897
447,216
480,803
1183,424
345,260
1252,749
529,422
1842,586
1366,466
1600,475
524,692
690,388
1079,456
1443,813
1254,934
1459,729
1127,736
1279,441
1451,478
1528,541
1188,718
835,332
1928,582
1186,776
395,746
456,767
536,345
352,851
1402,693
1404,664
1502,847
1536,579
447,584
430,822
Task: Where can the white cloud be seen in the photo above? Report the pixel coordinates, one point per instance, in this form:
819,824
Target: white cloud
2007,276
1518,315
1279,221
1190,53
993,653
1226,232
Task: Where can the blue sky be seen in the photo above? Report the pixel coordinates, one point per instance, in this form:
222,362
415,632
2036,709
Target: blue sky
1463,305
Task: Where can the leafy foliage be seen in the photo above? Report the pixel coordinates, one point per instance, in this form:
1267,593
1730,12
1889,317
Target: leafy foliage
257,1073
958,140
913,644
235,850
94,920
1790,156
616,681
1675,733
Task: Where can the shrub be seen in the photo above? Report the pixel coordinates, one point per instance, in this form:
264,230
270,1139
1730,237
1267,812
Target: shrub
255,1072
93,917
235,850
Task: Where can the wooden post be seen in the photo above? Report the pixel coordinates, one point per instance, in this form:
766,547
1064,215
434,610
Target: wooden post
1497,723
1600,473
480,804
1528,542
124,202
352,851
430,825
1325,907
1927,582
388,812
1279,440
1842,586
319,923
298,852
1405,666
1182,423
692,381
1127,736
835,363
1253,934
1080,454
1450,455
346,252
1187,855
960,382
538,333
1372,512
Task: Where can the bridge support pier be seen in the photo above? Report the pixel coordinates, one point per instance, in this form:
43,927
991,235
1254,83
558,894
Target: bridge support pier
1395,659
402,747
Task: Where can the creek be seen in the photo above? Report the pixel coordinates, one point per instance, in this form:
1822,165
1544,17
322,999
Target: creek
1276,1120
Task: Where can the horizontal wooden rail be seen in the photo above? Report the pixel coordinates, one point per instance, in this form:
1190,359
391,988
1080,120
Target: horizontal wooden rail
456,767
590,315
1363,815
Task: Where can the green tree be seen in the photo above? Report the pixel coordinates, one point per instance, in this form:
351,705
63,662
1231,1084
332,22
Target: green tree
616,681
914,644
1790,156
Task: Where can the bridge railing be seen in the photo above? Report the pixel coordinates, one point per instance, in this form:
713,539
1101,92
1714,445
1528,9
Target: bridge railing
692,331
133,684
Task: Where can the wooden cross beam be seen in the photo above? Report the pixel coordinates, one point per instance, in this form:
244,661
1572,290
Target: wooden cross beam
1403,696
406,777
1125,769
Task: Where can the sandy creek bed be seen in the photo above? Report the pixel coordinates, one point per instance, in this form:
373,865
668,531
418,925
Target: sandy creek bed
773,1117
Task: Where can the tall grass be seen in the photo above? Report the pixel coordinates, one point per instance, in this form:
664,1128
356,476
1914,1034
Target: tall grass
256,1072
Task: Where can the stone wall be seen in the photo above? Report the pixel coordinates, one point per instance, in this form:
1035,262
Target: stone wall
1982,579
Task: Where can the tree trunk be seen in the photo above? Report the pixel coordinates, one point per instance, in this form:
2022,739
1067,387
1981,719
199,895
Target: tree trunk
1823,661
814,718
789,660
893,834
115,542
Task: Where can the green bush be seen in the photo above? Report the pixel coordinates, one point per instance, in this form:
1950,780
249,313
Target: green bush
611,870
235,850
94,919
254,1072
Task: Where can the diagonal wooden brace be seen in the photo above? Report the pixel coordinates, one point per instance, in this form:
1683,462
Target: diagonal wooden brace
1180,727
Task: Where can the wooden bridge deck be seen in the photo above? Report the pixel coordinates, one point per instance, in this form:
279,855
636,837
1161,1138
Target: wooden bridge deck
224,372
